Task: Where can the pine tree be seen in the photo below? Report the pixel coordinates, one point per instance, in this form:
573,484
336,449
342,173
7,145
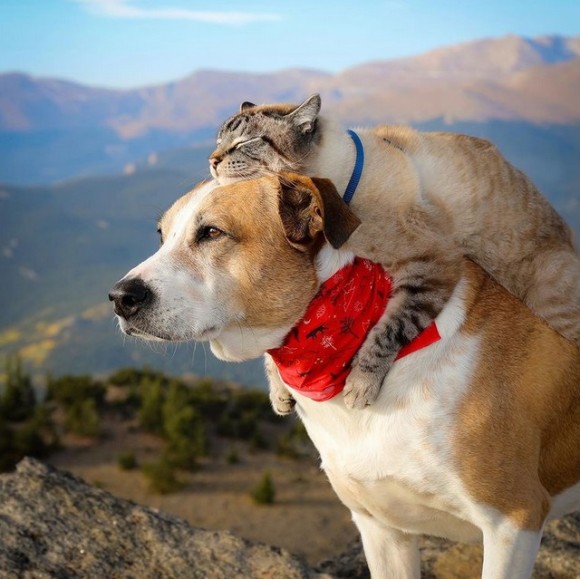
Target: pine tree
18,398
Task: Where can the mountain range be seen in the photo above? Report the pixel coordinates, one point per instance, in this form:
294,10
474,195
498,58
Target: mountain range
53,129
126,155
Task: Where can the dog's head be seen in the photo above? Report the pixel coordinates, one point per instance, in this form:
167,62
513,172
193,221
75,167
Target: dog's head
237,264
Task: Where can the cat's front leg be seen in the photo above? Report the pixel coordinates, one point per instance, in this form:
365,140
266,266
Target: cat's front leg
280,397
420,290
368,371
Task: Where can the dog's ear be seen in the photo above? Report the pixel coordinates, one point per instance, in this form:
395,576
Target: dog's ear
339,220
309,207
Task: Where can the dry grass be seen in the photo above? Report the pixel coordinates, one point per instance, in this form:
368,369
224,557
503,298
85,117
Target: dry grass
307,518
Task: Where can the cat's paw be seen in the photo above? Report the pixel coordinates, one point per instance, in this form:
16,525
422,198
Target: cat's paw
362,387
282,403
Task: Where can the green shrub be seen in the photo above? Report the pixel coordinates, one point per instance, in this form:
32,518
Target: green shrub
70,390
207,400
127,460
248,424
150,413
17,399
82,418
255,401
35,437
232,456
259,441
264,493
8,454
183,428
162,477
126,377
227,426
286,448
296,444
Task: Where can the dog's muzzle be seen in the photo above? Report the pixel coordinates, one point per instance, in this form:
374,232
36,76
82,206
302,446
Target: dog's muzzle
130,296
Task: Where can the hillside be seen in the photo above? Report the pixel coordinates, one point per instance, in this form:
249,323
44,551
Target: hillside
63,247
52,129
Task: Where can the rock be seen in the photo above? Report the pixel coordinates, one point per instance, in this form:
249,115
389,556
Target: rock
559,556
54,525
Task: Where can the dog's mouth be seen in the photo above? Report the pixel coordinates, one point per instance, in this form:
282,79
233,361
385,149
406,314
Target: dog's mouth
136,333
157,335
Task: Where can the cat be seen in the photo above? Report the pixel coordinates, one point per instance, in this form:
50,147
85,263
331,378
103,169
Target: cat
425,200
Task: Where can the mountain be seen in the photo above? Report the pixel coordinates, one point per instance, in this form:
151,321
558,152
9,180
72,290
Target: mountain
487,59
52,130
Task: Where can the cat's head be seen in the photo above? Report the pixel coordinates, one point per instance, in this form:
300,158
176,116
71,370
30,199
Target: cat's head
265,139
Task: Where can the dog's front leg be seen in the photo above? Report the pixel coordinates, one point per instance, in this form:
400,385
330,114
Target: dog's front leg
390,553
280,397
509,552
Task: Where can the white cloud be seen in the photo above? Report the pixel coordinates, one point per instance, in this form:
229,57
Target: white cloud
128,9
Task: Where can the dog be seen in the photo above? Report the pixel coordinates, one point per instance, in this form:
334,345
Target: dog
474,437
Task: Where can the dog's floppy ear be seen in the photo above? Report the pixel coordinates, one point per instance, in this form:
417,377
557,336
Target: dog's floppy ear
339,220
309,207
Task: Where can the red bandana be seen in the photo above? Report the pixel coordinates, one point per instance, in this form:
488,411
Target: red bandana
316,355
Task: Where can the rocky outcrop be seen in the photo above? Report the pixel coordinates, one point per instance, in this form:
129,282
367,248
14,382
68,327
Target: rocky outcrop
559,556
54,525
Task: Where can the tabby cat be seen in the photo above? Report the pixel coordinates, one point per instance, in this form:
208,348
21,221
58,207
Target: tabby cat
425,200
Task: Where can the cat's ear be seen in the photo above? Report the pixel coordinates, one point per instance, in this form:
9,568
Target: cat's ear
246,105
304,116
309,207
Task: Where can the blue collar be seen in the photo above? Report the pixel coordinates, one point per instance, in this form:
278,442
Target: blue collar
358,168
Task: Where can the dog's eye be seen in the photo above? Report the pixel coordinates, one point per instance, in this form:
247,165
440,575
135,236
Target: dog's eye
208,233
160,233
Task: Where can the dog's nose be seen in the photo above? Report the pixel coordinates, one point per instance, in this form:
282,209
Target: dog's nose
129,295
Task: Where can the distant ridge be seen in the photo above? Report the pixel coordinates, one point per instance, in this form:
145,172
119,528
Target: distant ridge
204,97
52,129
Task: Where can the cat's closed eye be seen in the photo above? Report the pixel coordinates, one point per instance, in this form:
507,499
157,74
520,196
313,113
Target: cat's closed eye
247,142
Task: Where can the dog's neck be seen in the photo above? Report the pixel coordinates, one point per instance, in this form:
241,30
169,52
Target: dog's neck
330,260
237,343
316,356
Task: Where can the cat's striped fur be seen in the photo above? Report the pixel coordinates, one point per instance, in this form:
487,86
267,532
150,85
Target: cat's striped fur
425,200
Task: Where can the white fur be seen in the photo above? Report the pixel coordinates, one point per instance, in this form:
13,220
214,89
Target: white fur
237,343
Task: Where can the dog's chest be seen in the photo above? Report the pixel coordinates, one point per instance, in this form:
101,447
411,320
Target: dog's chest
394,459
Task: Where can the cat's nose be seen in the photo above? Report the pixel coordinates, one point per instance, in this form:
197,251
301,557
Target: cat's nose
214,162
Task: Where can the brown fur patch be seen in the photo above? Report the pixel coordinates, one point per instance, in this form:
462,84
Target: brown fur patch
518,427
254,250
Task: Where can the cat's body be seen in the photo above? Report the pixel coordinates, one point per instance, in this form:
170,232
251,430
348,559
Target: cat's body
425,200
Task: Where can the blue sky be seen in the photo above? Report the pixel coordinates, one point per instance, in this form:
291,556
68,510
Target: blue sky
126,43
